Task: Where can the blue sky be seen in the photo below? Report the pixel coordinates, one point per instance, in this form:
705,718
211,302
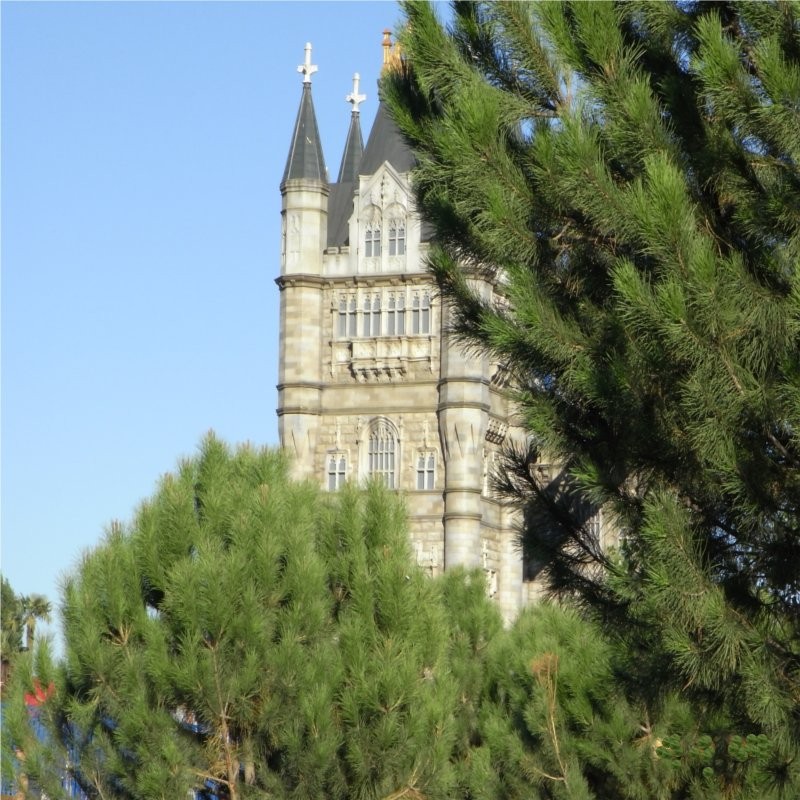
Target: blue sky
142,149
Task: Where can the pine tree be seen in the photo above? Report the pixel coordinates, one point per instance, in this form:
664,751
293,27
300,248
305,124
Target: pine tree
246,636
624,177
555,721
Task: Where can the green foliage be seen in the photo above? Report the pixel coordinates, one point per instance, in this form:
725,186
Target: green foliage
264,639
625,177
33,607
555,718
10,621
256,634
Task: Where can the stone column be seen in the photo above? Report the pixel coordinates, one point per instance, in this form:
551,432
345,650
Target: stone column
463,415
303,240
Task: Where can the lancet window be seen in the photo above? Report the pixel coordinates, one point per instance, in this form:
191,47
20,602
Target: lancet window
337,471
382,452
421,313
372,315
396,321
426,470
348,316
372,240
397,237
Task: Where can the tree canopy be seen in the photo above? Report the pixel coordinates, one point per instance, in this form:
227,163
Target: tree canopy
246,636
625,177
10,621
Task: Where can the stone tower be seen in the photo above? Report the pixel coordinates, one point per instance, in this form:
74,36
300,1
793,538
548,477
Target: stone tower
370,384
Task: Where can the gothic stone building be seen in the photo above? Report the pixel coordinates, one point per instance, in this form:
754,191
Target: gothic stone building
370,384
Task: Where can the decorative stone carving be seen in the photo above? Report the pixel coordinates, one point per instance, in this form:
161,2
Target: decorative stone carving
496,431
382,358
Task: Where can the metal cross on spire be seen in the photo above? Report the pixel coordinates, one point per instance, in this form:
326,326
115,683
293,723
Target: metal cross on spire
354,98
307,68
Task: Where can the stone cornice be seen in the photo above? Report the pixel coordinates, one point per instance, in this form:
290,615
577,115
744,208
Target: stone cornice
382,279
302,279
300,385
304,185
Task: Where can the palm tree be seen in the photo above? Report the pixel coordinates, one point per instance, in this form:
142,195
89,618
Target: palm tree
33,607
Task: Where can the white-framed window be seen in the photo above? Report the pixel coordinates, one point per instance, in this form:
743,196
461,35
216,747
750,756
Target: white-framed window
383,313
371,315
372,240
382,452
347,316
426,470
396,317
337,471
397,237
421,313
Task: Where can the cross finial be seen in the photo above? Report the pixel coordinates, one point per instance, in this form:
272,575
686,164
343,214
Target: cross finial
307,68
354,98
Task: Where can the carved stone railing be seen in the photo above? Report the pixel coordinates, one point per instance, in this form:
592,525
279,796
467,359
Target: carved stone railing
384,358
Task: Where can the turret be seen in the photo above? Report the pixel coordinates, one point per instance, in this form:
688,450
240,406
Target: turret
304,223
464,403
304,188
341,198
354,146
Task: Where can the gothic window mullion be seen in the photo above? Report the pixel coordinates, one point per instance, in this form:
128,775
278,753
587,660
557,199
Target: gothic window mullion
401,314
337,471
382,446
397,237
372,240
342,322
367,316
426,471
376,315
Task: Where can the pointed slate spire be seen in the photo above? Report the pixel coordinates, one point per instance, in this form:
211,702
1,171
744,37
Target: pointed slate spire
385,141
306,161
354,146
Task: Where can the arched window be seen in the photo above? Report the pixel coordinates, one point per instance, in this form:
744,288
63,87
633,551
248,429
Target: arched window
426,470
382,452
337,471
347,316
372,315
352,316
421,313
372,240
397,237
397,314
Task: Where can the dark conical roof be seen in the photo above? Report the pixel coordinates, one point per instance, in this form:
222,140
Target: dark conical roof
340,207
340,203
385,143
306,160
353,148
